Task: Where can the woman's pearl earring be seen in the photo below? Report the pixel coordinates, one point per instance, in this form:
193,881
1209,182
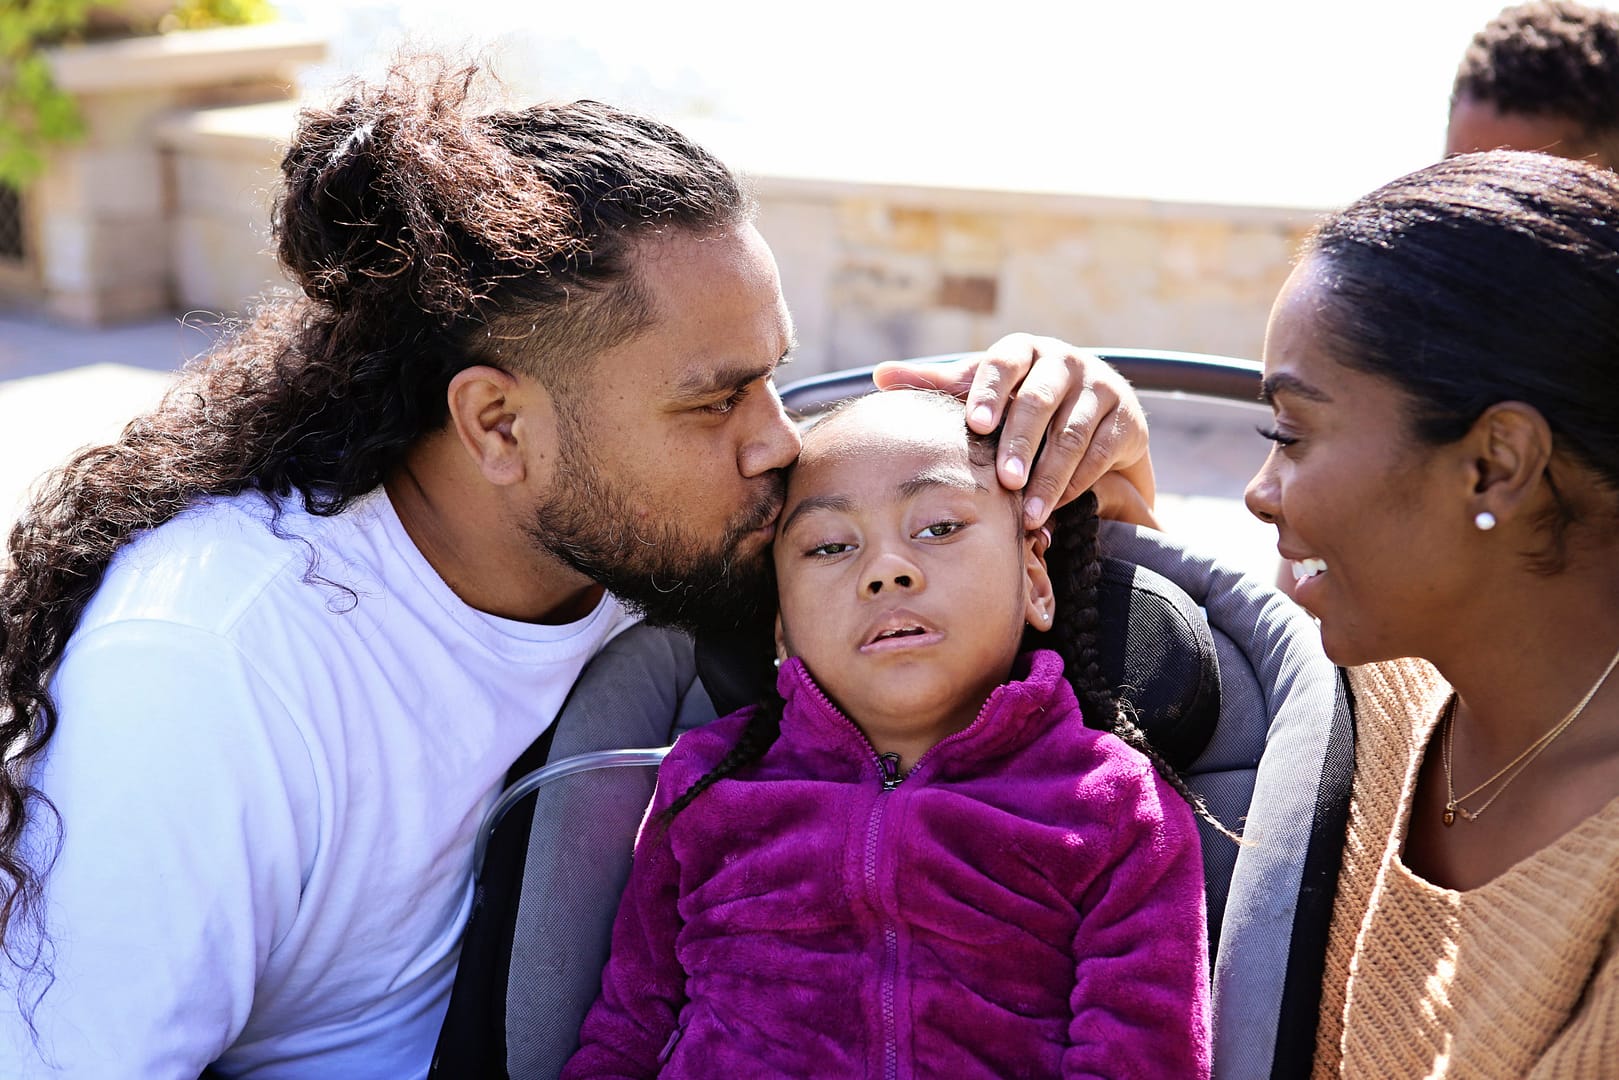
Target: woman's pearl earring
1484,521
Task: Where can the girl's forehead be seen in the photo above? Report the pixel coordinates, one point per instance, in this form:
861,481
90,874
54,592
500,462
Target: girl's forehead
912,414
867,459
883,437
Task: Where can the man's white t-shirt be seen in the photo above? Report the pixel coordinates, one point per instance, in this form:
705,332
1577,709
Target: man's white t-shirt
273,756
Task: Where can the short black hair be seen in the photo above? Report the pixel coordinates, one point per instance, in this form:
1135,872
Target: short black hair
1549,57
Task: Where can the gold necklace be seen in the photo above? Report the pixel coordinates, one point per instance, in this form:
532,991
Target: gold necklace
1453,802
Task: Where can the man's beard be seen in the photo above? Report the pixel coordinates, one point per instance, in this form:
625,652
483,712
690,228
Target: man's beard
666,574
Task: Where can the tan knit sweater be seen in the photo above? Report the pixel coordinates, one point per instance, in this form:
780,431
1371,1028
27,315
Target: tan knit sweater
1516,978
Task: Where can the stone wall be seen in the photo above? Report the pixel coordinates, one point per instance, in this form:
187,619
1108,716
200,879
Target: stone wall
878,271
871,271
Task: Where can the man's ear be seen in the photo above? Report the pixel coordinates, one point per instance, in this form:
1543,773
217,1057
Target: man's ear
1510,445
494,413
1040,602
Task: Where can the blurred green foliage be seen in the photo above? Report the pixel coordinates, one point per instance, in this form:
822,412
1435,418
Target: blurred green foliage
34,112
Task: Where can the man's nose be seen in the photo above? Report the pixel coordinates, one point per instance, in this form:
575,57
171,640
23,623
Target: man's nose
773,443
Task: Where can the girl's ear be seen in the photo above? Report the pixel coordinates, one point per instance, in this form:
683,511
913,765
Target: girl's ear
781,641
1040,603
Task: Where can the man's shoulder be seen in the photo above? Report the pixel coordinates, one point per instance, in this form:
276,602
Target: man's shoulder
221,558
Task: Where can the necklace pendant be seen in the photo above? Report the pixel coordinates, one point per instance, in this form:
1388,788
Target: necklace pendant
1450,816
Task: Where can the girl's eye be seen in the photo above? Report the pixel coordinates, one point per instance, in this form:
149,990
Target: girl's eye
836,547
938,529
1276,436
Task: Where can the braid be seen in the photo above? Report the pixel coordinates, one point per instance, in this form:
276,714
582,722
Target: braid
760,734
1075,565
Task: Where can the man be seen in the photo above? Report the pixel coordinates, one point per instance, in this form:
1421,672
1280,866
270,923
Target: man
1541,76
267,658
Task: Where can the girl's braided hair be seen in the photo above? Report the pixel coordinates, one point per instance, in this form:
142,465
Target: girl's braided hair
1074,562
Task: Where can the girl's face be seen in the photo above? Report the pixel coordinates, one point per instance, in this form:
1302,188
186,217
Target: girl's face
1376,525
904,572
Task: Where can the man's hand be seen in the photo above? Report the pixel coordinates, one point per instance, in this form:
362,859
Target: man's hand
1087,416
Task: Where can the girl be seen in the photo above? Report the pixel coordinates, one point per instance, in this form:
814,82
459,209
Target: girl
1444,368
920,861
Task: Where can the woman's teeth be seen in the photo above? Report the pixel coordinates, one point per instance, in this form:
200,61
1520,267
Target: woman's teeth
1308,568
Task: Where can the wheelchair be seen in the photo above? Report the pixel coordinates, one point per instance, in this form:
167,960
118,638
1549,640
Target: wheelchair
1226,674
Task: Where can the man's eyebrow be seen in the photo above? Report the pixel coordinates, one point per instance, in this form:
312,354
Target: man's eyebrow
840,504
1283,383
945,477
705,383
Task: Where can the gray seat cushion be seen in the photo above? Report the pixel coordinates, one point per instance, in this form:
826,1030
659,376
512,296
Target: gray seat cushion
1278,770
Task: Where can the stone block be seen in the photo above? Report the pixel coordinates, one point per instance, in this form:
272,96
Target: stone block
972,242
221,264
110,304
194,58
913,231
972,293
938,331
124,120
1072,237
1259,253
1046,294
82,254
869,337
224,184
863,222
115,182
1120,244
886,282
1193,249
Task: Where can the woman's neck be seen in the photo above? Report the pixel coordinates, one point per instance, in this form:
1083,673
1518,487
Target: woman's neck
1530,650
1490,793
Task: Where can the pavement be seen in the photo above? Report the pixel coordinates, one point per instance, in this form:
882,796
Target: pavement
62,388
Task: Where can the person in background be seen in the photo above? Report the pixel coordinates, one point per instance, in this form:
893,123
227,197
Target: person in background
1541,76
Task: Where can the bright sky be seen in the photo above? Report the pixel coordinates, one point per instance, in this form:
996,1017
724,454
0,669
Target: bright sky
1293,102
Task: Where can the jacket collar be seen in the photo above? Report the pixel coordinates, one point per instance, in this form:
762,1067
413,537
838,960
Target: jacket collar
1018,710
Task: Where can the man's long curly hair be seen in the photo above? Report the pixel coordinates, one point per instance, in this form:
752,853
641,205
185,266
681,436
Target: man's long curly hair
426,234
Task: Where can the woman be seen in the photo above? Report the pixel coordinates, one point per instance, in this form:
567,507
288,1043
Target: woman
1444,368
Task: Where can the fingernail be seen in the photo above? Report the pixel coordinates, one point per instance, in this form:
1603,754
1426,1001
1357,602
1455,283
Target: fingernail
1014,468
1034,509
982,415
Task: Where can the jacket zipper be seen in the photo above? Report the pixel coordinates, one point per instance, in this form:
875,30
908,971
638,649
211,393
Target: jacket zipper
888,766
888,773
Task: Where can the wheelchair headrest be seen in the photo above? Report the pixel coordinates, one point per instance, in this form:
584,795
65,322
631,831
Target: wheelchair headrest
1156,650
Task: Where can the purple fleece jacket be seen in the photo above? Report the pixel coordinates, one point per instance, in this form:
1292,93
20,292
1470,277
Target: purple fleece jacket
1028,902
